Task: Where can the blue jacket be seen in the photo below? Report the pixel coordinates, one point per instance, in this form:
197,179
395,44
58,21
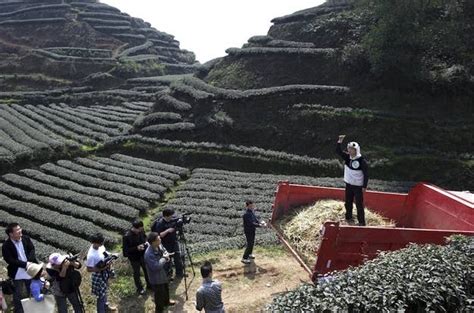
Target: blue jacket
155,266
35,288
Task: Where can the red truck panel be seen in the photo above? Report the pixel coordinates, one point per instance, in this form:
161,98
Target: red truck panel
427,214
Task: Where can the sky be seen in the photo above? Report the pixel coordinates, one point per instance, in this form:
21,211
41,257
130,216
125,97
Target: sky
209,27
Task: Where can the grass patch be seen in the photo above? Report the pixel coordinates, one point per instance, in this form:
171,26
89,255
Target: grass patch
90,148
271,251
129,144
151,214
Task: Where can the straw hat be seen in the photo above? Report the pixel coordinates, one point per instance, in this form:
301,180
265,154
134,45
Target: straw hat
33,269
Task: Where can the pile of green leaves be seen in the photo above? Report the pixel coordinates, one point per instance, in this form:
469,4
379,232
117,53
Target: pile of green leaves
414,279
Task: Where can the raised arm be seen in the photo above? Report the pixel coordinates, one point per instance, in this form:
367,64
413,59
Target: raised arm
339,151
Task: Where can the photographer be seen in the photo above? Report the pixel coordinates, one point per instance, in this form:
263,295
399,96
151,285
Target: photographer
156,258
167,227
66,281
134,245
99,266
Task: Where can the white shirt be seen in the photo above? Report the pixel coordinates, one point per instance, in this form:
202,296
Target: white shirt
353,177
20,250
95,256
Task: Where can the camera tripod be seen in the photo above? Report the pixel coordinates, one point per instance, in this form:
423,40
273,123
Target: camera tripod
184,251
79,297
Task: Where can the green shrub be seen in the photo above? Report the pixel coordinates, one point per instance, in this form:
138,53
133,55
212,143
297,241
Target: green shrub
411,37
129,69
415,279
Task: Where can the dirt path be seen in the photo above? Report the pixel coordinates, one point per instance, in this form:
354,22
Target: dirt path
246,288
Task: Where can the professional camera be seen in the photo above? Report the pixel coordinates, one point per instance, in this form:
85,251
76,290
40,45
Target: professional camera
182,220
108,259
73,258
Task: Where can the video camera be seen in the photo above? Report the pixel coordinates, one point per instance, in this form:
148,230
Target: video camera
108,259
180,221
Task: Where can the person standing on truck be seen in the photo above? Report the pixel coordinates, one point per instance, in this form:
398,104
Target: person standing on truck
356,178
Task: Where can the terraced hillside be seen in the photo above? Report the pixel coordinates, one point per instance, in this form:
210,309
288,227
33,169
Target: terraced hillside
295,90
104,119
215,201
62,42
61,204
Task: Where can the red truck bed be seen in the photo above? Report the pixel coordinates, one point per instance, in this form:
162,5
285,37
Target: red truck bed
427,214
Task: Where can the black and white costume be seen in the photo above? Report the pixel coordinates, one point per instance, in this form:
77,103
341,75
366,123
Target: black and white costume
356,178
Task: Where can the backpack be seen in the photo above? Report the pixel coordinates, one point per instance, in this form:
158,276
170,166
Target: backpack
71,282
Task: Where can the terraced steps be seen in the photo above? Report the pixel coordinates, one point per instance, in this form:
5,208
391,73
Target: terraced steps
61,204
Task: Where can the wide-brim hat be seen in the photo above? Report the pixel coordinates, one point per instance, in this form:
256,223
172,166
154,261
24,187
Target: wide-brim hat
56,258
33,269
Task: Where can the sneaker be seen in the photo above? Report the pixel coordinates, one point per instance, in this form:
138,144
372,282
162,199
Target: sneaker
251,256
245,261
172,302
350,221
361,224
111,307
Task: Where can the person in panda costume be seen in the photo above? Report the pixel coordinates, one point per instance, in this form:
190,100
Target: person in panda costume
356,178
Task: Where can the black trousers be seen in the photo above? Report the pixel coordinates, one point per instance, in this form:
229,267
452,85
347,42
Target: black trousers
136,265
351,193
250,237
162,297
177,260
22,290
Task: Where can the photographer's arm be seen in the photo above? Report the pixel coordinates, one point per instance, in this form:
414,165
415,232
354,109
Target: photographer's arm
166,232
64,267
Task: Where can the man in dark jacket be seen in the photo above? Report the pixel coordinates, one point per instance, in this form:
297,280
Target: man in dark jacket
134,245
167,227
356,177
251,222
18,251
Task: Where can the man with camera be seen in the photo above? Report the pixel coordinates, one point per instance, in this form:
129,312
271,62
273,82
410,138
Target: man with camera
99,264
63,270
167,227
18,251
156,258
134,245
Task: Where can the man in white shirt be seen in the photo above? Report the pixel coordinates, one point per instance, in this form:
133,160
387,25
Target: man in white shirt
100,274
18,251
